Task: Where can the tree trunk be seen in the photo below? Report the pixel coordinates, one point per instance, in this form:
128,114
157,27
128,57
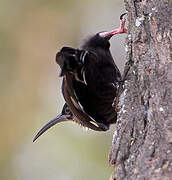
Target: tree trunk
142,141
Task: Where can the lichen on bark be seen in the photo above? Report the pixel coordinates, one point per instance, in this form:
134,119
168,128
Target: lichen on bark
142,141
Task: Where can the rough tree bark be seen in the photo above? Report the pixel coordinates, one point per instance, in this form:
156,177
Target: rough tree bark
142,141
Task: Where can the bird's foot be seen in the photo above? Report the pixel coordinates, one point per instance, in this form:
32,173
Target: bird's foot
122,28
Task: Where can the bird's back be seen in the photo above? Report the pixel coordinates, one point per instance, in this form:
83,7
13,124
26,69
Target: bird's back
97,95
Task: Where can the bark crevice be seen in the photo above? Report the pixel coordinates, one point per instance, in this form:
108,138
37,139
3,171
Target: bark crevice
142,141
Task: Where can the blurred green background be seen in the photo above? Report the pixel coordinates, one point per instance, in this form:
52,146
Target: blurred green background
31,32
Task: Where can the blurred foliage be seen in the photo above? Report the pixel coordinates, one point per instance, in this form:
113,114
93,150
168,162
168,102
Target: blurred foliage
31,32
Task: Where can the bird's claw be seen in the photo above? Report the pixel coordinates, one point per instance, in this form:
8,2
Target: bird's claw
122,28
122,16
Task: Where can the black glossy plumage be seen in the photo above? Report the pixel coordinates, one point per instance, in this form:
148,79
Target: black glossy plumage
93,80
90,83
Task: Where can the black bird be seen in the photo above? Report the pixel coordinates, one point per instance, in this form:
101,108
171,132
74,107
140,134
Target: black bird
90,83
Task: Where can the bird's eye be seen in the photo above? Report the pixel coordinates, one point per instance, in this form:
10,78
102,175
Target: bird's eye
67,111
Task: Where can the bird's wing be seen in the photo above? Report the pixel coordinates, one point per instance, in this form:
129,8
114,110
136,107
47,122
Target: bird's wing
69,50
72,63
74,105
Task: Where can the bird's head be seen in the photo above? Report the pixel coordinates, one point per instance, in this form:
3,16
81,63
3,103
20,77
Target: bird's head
65,115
